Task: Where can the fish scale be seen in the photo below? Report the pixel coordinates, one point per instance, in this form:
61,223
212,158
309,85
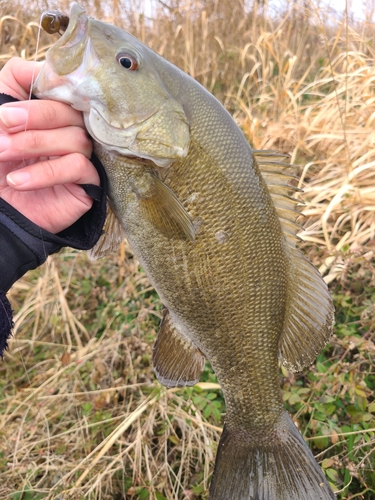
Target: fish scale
216,320
213,224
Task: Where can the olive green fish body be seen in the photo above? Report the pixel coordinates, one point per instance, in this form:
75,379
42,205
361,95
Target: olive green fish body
213,224
211,286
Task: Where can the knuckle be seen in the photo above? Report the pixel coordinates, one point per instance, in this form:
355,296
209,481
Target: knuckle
48,111
80,162
49,169
86,169
34,140
75,162
84,164
12,63
84,144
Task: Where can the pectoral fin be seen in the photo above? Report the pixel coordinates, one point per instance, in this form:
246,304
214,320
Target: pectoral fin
177,361
110,240
165,211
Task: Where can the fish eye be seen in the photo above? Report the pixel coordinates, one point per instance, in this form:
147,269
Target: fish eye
127,61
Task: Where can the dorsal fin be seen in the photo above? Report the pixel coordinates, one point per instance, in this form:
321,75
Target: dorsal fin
278,173
309,311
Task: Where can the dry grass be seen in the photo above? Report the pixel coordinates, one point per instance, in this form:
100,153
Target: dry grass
80,410
81,415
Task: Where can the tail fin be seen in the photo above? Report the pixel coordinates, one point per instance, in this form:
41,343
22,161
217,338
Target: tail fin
282,469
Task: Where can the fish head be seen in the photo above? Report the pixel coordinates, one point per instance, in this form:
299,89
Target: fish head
113,79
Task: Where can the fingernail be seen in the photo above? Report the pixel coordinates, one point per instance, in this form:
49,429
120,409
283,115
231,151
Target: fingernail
4,143
12,117
18,178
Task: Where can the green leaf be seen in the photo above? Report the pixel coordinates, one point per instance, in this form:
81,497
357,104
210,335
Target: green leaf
128,483
27,495
326,399
286,395
217,414
200,402
366,417
174,439
211,396
159,496
333,475
321,368
294,398
207,411
359,390
330,409
321,442
86,408
143,494
327,462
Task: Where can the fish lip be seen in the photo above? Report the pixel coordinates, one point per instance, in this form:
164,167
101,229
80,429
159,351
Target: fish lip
66,54
124,149
134,124
77,27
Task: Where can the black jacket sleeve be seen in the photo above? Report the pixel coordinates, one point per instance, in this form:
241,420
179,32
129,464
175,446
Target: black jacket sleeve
25,246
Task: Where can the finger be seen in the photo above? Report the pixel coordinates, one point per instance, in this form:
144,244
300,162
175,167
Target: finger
36,143
17,76
38,115
52,209
70,169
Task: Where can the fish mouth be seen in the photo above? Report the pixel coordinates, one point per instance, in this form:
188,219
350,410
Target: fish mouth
77,27
67,62
123,137
66,54
129,127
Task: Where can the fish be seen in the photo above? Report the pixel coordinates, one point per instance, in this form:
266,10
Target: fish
214,225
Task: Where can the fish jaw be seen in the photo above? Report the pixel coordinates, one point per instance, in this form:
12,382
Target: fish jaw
65,75
81,70
70,89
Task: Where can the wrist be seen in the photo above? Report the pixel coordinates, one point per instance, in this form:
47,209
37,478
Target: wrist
24,246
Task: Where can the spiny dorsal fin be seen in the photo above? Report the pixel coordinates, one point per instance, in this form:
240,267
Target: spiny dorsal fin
110,240
177,361
278,173
309,312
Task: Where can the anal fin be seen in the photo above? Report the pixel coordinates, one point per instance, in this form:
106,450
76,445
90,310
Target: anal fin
177,361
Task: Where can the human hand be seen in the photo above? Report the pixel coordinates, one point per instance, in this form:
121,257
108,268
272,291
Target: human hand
44,153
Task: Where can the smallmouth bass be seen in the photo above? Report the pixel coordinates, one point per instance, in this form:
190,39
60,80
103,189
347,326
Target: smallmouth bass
213,224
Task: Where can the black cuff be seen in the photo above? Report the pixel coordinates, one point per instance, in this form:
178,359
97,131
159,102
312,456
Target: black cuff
20,251
4,98
25,246
6,322
85,232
